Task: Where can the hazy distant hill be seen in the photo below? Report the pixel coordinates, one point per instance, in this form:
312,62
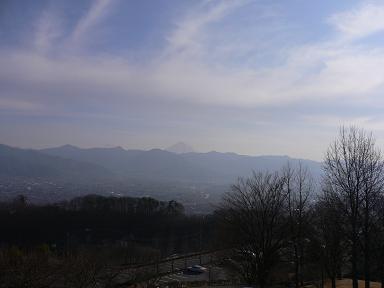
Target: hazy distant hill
156,164
163,165
231,165
31,163
116,159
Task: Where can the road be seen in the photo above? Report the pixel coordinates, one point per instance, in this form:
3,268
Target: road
213,273
173,269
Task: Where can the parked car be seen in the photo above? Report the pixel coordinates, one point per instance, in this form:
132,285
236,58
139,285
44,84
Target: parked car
196,269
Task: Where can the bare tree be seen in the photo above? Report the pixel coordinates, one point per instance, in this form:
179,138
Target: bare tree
379,238
354,169
373,186
298,185
330,225
255,211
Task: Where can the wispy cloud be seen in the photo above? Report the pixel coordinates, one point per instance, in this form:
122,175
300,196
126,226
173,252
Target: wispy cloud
186,38
48,30
327,70
324,70
359,22
95,14
49,34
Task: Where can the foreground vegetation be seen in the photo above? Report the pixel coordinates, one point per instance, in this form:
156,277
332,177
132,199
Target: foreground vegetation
88,241
275,218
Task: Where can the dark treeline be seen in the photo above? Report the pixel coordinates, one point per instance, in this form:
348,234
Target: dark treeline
157,226
91,241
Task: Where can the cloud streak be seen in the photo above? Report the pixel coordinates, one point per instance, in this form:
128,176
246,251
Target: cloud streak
48,30
186,39
317,71
359,22
97,11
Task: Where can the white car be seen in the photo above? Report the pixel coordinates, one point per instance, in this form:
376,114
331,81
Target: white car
196,269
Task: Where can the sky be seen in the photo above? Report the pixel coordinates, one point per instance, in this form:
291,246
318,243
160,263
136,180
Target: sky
254,77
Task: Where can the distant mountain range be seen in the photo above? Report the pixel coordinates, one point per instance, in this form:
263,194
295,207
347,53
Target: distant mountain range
15,162
156,165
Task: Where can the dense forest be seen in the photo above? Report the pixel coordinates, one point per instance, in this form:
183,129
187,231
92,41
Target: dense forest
91,232
98,220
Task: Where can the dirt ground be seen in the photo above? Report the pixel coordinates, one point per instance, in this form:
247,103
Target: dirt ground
347,283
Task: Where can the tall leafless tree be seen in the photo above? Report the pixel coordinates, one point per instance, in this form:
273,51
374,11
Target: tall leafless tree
255,211
298,185
329,225
378,239
353,167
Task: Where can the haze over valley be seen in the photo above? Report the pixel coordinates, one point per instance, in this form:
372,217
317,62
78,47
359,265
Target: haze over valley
197,180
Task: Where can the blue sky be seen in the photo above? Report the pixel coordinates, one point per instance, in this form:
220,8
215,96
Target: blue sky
252,77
